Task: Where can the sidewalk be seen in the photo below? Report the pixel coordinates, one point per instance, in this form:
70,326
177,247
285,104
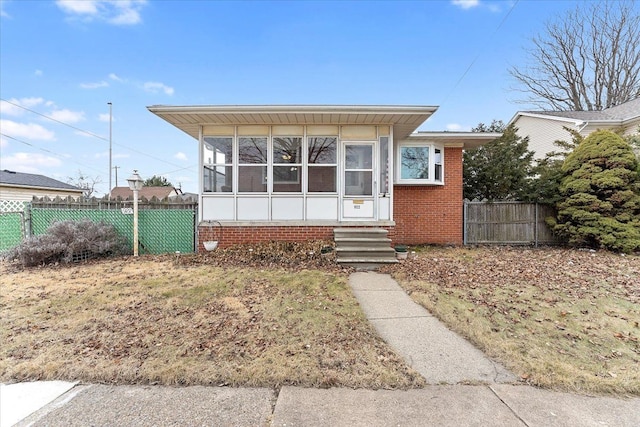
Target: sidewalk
438,354
445,405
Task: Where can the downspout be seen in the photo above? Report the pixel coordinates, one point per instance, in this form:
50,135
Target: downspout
584,125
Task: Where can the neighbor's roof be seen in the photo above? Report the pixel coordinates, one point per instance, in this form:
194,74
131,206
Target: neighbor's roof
616,114
146,192
404,118
29,180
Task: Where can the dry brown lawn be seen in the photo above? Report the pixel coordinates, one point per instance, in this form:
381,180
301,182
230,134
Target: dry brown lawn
562,319
189,321
283,314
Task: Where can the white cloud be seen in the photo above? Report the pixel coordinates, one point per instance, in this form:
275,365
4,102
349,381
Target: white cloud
29,162
465,4
454,127
37,73
3,13
113,76
106,117
126,16
79,7
94,85
3,142
180,156
10,108
116,12
67,116
26,130
155,87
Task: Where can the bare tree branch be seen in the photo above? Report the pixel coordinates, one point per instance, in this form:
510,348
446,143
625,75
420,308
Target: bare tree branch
589,59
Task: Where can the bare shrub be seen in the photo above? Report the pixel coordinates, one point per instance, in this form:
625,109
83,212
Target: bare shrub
69,241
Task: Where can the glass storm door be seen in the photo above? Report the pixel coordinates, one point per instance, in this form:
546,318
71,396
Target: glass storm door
358,182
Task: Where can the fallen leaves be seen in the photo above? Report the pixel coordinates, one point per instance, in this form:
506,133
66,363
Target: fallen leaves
562,318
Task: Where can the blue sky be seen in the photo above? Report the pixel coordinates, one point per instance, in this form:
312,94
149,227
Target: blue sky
65,60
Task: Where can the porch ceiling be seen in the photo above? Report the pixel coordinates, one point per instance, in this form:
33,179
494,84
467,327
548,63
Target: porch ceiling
404,119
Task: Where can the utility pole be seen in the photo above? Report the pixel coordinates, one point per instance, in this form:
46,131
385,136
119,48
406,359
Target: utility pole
116,168
110,143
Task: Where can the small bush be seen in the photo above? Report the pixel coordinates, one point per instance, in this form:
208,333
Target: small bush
68,241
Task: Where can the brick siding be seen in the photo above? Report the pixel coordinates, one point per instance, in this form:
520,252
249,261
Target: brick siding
431,214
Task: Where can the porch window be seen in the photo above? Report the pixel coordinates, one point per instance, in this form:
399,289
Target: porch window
218,164
419,163
287,164
322,165
252,165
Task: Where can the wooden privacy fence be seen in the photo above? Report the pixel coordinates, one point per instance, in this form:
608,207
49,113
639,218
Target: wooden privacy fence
507,223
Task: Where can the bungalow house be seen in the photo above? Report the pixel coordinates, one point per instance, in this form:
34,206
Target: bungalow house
545,127
19,186
297,172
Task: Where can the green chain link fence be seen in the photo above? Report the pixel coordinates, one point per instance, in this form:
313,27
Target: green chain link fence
159,231
163,227
12,223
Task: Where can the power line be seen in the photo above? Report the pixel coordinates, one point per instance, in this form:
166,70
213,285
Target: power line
47,151
55,120
455,86
96,136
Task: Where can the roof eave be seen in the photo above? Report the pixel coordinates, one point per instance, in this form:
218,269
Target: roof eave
36,187
405,118
466,140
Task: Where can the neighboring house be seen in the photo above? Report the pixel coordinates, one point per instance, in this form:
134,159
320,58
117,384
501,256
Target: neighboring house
545,127
146,192
297,172
24,186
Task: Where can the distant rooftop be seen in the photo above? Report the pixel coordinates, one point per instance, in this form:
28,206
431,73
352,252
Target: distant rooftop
21,179
626,111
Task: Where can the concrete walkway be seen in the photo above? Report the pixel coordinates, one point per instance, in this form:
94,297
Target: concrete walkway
438,354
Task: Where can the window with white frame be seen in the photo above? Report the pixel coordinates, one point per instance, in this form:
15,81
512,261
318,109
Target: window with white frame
322,164
287,164
217,154
419,163
252,164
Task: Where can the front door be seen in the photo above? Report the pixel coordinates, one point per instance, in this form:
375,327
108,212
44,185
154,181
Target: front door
359,181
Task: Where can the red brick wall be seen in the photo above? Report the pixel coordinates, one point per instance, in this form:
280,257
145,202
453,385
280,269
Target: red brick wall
431,214
232,235
423,214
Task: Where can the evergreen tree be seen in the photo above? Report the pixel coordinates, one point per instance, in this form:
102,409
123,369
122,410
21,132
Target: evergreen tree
500,169
157,181
601,190
545,187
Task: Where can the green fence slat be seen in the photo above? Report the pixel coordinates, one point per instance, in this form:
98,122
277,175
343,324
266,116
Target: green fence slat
159,231
11,230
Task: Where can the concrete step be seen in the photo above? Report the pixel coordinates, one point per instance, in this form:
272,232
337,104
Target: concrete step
363,241
365,252
363,248
367,263
371,233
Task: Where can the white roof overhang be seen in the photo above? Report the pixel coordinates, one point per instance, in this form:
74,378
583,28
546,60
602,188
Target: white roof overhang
404,119
466,140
